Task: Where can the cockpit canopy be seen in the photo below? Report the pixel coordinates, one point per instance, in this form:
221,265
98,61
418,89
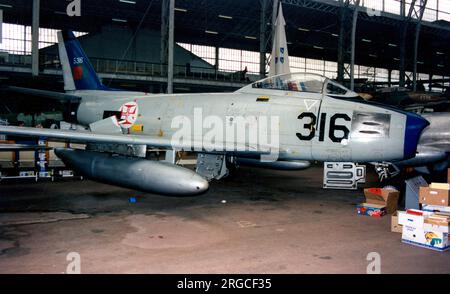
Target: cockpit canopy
303,82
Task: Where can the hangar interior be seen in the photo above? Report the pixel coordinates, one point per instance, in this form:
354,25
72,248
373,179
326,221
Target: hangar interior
393,52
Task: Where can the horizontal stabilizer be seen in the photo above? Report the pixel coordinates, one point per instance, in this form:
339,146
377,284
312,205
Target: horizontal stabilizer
108,125
63,97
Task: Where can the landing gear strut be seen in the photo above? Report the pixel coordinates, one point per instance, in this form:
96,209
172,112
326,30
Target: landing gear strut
386,170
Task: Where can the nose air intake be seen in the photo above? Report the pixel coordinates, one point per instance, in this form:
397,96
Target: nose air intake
415,124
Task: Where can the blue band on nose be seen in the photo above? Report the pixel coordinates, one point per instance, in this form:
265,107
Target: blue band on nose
414,127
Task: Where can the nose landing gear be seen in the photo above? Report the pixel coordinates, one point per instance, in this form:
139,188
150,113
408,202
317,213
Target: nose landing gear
386,170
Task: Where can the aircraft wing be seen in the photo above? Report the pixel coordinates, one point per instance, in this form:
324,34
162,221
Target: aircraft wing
101,138
63,97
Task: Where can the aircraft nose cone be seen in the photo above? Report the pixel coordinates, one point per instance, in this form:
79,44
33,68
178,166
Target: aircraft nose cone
415,124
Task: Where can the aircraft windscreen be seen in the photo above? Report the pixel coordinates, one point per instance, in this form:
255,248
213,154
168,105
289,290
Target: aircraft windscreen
304,82
335,88
293,82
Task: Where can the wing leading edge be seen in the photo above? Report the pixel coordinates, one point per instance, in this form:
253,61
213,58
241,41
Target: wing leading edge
157,142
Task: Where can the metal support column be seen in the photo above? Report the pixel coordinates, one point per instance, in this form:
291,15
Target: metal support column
35,39
402,62
341,42
352,59
437,10
402,8
416,48
430,81
389,77
346,42
164,31
262,38
164,39
216,58
415,14
420,12
171,45
402,57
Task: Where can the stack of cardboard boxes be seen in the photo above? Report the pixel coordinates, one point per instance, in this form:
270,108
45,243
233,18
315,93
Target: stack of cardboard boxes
435,198
428,227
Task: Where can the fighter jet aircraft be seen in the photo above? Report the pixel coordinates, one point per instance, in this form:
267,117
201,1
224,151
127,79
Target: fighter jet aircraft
298,118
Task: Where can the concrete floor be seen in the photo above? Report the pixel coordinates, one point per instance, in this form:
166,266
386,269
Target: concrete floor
259,221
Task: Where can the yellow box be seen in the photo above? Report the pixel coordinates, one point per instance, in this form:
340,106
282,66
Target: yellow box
137,129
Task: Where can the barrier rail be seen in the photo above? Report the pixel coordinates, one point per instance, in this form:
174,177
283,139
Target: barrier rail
138,68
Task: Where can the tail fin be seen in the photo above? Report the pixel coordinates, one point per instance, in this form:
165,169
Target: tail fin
79,74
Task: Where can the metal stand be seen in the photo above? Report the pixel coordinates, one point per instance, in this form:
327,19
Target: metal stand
412,192
343,175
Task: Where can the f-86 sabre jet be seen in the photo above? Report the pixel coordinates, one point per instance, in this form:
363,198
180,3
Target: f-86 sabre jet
290,120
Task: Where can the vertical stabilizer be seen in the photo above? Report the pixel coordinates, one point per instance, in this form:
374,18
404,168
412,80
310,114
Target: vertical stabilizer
279,64
78,72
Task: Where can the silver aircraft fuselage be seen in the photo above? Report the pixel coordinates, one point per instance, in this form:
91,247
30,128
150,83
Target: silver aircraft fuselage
312,126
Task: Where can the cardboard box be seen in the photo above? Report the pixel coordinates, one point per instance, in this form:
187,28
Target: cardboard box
435,228
436,209
437,223
370,209
384,197
428,195
424,229
443,186
395,226
428,239
7,158
412,218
